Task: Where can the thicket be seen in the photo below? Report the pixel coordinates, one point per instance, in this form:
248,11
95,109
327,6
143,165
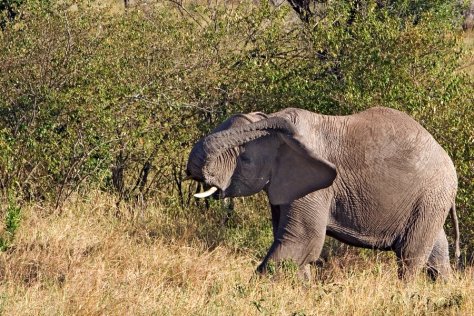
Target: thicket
95,100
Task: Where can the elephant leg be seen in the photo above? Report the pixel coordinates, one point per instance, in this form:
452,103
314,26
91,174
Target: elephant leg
275,218
300,254
417,244
410,262
300,234
438,261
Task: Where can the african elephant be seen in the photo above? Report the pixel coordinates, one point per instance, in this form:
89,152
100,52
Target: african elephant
376,179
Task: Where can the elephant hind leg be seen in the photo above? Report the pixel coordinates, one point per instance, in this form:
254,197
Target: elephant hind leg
424,241
409,264
415,250
438,261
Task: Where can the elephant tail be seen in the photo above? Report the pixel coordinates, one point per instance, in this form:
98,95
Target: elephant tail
457,251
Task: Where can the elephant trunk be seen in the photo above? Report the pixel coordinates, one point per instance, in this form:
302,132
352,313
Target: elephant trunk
216,145
218,142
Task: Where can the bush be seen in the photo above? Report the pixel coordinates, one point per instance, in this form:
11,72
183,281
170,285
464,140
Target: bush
98,100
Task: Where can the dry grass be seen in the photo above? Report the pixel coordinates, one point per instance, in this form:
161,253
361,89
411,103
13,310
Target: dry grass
469,46
86,260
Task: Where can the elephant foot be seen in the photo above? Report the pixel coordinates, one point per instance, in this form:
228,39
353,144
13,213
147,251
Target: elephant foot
439,273
285,269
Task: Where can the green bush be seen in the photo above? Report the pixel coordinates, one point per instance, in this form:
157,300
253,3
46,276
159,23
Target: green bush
92,99
9,10
11,224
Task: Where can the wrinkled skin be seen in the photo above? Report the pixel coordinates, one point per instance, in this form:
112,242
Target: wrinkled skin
376,179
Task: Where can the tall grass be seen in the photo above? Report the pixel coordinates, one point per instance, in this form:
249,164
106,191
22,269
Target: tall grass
469,45
93,259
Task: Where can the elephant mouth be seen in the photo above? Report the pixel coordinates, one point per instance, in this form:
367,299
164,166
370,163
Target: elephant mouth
211,190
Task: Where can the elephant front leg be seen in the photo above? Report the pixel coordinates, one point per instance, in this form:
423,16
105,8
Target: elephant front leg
275,219
299,238
284,254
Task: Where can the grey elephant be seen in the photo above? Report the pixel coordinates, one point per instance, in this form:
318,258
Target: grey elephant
376,179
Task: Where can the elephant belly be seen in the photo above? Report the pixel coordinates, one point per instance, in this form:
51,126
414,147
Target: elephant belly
367,224
358,239
371,214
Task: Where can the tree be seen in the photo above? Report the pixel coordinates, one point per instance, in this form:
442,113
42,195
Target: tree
306,9
8,11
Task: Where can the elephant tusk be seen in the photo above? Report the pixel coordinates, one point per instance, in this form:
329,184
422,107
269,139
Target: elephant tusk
206,193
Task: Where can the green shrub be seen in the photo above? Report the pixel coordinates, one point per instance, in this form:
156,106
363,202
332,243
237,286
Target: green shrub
8,11
11,224
96,100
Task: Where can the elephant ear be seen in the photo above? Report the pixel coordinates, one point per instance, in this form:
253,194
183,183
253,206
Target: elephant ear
297,172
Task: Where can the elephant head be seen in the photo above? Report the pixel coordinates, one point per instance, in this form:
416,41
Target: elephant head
250,153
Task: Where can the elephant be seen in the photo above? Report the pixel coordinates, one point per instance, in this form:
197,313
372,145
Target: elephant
375,179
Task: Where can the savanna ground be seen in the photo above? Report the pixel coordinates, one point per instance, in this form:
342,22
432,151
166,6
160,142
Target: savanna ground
90,259
98,112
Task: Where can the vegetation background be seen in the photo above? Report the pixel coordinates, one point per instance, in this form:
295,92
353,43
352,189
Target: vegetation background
100,105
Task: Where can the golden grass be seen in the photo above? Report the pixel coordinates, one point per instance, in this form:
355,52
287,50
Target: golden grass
468,66
86,260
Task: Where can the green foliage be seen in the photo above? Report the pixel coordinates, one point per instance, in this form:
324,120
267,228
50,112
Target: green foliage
96,100
11,224
8,10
